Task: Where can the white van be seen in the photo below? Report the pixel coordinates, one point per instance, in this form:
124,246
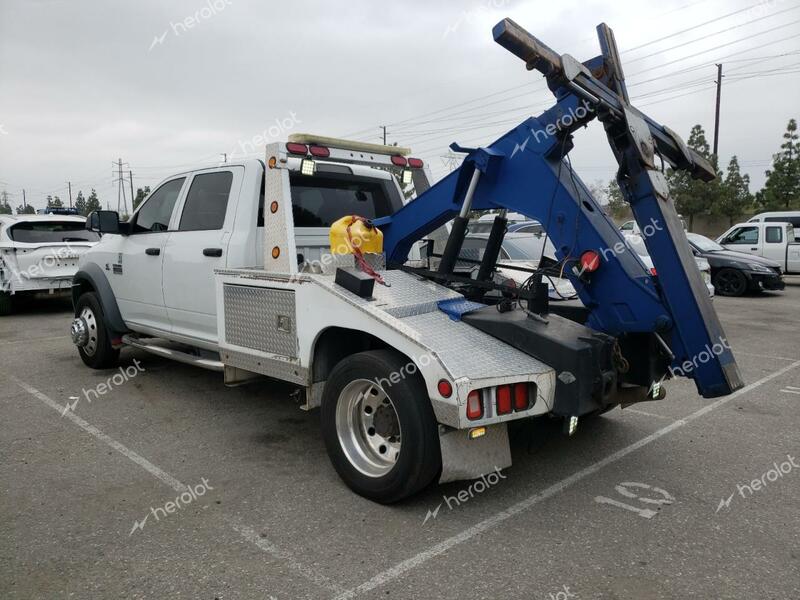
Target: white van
788,216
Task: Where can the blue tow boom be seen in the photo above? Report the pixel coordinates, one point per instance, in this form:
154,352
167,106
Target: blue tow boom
527,171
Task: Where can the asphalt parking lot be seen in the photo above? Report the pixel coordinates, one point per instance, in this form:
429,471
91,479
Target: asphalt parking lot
169,485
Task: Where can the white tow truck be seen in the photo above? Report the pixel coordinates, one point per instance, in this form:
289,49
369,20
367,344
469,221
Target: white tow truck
406,392
39,255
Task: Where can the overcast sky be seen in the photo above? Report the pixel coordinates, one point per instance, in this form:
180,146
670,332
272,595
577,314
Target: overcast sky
167,85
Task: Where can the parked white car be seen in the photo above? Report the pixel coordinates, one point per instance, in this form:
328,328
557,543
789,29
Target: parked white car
39,254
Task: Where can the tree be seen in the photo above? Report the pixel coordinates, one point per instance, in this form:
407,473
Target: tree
92,203
80,204
141,194
782,188
5,207
54,202
735,196
617,207
692,196
26,210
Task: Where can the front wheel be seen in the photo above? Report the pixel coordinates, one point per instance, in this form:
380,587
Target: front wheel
730,282
379,427
90,334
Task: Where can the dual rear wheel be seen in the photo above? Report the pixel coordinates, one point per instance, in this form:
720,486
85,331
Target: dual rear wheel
378,426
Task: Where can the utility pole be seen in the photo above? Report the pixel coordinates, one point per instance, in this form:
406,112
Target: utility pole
121,186
24,203
69,184
384,134
716,115
130,174
224,157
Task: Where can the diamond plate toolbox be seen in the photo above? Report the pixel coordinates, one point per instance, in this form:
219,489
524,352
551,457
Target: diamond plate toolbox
261,319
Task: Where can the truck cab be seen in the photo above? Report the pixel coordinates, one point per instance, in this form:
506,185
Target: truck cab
771,240
160,264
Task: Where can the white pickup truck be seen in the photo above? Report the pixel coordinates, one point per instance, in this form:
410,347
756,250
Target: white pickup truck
39,255
770,240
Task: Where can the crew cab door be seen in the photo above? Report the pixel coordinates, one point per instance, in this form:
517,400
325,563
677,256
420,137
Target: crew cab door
746,238
775,242
135,272
199,245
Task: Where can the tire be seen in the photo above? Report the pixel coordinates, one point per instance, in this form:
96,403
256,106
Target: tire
382,437
98,352
729,282
6,305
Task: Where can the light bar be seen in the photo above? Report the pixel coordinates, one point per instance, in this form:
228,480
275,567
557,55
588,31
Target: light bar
319,140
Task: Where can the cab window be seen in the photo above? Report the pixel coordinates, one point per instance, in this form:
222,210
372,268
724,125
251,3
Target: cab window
743,235
207,202
774,235
157,209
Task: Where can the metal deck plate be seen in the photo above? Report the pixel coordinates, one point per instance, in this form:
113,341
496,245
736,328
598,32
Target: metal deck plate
468,352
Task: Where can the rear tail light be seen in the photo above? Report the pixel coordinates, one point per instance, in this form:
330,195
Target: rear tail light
474,405
399,161
504,400
415,163
522,396
295,148
319,151
590,261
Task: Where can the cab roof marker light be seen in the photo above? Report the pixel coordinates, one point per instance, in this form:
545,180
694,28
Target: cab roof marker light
299,149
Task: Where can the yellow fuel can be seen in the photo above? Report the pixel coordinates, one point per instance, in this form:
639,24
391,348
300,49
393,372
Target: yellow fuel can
354,232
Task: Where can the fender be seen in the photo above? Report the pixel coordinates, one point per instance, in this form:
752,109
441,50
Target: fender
93,276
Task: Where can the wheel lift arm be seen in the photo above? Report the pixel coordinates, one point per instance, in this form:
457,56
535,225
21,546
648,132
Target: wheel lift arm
525,171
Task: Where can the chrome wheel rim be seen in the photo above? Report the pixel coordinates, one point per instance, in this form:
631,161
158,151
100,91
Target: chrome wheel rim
368,428
86,330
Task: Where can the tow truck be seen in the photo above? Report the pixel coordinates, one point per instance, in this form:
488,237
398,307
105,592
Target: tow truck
418,358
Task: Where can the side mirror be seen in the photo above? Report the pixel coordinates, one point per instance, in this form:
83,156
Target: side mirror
103,221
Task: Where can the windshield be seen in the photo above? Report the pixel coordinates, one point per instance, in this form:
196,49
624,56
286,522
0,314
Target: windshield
523,248
49,232
703,243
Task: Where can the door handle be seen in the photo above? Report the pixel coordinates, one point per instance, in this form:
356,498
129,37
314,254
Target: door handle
153,251
212,252
753,248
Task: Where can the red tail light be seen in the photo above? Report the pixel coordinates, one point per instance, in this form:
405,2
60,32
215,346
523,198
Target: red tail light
415,163
504,399
474,405
521,397
319,151
590,261
295,148
400,161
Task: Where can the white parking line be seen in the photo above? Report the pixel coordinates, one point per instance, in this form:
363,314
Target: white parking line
765,356
497,519
247,533
642,412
